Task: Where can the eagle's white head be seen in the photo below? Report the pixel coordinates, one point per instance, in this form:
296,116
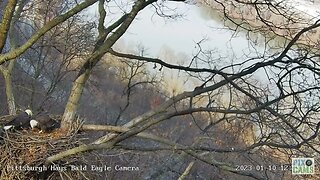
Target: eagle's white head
33,123
29,112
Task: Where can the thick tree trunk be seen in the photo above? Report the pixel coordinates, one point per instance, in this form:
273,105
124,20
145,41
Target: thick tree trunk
6,21
9,92
7,71
73,101
103,47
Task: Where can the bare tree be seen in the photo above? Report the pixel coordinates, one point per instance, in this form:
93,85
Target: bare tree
7,26
279,117
231,121
104,42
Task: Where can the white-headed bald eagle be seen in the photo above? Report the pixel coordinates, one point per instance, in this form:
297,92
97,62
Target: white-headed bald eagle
45,123
20,121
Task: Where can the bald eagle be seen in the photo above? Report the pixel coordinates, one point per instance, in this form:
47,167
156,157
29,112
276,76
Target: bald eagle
20,121
45,123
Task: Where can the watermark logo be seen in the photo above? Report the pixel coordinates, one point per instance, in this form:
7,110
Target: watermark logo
302,165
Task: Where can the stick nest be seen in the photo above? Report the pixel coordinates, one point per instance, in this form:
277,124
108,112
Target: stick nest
23,153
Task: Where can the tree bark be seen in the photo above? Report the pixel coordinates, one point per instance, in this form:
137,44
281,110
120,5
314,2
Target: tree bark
6,21
9,93
7,71
74,98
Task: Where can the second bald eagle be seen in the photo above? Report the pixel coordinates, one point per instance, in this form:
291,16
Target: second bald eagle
45,123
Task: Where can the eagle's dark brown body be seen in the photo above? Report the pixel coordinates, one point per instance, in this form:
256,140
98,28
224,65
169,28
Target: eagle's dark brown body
46,124
20,121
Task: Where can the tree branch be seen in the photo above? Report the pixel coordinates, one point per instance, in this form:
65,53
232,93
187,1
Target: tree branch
51,24
174,146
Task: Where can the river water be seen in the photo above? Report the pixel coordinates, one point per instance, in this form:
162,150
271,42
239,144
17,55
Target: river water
175,41
181,34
